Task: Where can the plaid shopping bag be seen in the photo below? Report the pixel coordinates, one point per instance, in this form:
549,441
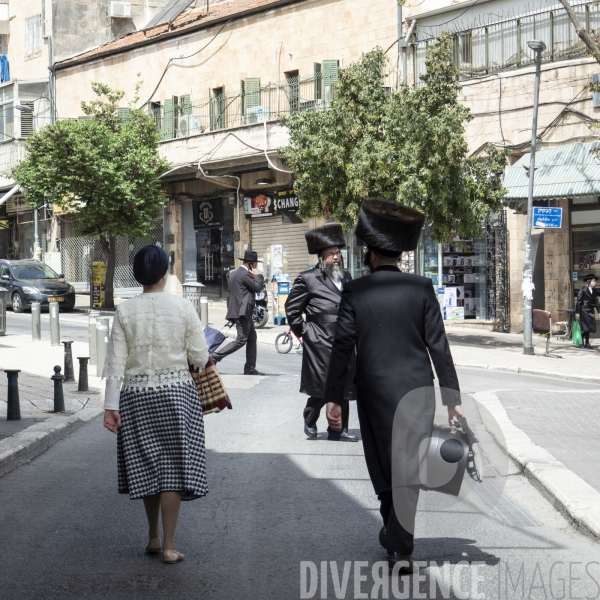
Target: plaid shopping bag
213,394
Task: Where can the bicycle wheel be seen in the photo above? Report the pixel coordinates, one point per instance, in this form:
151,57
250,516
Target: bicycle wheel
284,343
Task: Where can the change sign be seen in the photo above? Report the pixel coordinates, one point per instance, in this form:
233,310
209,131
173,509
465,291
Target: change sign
547,218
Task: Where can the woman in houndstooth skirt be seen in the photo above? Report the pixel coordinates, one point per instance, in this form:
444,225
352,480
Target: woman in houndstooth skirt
152,402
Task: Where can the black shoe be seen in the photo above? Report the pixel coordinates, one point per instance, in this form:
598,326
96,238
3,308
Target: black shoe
342,436
253,372
382,537
395,557
310,432
588,347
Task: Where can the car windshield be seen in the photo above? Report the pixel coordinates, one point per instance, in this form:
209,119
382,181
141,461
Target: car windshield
40,271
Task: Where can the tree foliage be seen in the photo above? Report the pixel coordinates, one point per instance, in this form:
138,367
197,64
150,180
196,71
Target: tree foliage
407,146
105,168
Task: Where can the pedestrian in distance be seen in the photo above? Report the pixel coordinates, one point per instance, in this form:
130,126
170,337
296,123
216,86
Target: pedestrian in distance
394,320
152,402
587,301
243,284
316,294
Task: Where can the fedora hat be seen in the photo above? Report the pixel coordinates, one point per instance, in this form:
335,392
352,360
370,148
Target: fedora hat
250,256
324,237
590,277
389,226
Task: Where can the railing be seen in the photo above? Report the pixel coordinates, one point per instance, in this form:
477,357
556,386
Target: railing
502,45
184,116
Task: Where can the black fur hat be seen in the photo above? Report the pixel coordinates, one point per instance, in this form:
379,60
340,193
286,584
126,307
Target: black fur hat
320,238
389,226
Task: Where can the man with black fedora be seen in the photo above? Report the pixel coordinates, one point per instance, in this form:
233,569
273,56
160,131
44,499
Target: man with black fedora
587,301
312,310
243,284
395,322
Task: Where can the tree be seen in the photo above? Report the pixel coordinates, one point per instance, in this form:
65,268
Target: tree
589,39
105,167
407,146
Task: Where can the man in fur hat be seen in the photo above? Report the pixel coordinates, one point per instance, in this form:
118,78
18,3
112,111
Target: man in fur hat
394,319
584,309
316,294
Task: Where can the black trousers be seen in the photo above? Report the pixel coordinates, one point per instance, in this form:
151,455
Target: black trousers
586,337
313,411
246,336
397,538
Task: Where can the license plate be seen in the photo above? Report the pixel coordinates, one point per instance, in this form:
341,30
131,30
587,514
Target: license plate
56,299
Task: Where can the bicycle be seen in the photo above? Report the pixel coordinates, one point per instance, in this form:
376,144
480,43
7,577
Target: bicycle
284,342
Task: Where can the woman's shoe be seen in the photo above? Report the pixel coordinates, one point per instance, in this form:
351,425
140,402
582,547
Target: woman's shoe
154,546
170,557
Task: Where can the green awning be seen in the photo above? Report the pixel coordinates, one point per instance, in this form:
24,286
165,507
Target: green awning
564,172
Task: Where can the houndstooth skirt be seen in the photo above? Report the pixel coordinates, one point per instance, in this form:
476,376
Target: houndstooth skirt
160,445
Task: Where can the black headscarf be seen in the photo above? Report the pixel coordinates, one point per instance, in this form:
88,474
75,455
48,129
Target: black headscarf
150,265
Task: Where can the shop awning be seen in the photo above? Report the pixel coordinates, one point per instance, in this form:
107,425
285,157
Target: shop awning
564,172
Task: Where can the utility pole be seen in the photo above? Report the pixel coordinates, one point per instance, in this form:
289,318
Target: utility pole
538,47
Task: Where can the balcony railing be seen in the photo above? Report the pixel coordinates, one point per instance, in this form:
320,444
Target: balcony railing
185,115
502,45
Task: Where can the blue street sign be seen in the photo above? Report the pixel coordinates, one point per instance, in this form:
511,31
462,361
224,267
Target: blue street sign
547,218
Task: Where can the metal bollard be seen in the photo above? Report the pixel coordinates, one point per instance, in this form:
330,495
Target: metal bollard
204,311
94,315
13,408
59,397
36,323
69,372
83,374
54,324
2,313
101,344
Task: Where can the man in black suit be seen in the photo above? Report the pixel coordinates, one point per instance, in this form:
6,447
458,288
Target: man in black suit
584,309
316,293
394,320
243,284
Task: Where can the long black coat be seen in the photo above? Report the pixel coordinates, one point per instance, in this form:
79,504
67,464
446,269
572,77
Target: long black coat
395,321
586,302
315,295
241,290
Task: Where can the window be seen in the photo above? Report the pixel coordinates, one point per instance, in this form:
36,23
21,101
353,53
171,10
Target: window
217,108
293,90
33,35
7,114
330,77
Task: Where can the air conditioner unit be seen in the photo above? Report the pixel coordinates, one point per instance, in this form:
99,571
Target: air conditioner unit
256,114
312,105
189,125
119,10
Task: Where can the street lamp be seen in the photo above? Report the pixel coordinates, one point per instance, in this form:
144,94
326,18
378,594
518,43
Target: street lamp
538,47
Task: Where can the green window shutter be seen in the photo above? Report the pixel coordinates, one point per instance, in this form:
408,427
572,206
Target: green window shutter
318,81
242,99
330,77
123,115
168,123
252,86
185,105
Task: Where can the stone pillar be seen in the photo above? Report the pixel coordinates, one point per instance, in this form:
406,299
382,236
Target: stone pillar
516,225
175,238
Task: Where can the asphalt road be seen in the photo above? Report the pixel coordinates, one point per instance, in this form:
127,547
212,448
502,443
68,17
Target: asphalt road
276,500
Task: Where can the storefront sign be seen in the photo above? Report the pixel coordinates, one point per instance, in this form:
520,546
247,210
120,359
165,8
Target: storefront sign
547,218
17,204
281,202
207,213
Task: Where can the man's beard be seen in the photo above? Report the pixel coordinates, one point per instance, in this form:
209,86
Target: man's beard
334,272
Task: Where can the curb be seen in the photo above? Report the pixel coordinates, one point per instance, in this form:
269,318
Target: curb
576,499
24,446
526,371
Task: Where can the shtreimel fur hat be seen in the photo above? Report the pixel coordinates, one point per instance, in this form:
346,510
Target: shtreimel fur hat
389,226
324,237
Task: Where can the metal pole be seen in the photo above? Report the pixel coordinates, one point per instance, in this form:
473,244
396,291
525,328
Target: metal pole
94,315
69,371
404,44
37,251
36,325
538,47
83,374
204,310
54,324
101,344
13,408
59,396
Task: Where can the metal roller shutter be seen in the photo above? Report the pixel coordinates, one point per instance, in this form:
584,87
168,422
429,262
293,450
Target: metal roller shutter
270,230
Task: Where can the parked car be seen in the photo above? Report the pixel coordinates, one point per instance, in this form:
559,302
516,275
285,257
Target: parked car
33,281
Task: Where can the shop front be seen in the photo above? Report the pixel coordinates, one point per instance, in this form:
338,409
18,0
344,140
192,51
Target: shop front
277,233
